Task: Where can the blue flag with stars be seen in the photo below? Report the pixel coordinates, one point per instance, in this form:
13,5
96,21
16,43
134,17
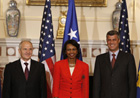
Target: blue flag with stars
124,29
138,83
71,27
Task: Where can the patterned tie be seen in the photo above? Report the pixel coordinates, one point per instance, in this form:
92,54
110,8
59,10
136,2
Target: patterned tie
26,71
113,60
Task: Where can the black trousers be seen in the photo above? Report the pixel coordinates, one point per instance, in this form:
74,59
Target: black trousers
90,86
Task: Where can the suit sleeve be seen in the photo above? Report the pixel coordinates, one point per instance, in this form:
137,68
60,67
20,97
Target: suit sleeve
6,92
132,77
85,77
43,83
96,79
56,80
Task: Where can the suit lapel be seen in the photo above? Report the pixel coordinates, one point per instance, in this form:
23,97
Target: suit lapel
118,60
68,69
32,68
20,70
76,68
107,60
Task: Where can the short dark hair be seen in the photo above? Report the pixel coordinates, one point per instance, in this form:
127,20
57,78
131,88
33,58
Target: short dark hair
74,43
113,32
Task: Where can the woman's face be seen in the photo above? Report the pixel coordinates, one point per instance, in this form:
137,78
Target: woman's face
71,51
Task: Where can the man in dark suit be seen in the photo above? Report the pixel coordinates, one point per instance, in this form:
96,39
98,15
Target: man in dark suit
24,78
115,71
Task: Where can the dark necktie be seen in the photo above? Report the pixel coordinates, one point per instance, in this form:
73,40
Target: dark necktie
26,71
113,60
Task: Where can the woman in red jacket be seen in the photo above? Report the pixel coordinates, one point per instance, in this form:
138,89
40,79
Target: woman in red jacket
71,76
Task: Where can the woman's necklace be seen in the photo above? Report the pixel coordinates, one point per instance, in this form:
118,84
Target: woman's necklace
71,65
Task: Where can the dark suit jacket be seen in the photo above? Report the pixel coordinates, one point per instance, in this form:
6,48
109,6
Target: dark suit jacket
119,82
16,86
71,86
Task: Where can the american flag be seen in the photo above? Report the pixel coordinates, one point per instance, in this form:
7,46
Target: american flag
71,27
46,53
124,29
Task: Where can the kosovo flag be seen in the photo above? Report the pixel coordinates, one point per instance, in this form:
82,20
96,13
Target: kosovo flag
138,83
71,27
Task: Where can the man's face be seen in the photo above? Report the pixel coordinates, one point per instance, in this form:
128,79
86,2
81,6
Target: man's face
113,43
26,50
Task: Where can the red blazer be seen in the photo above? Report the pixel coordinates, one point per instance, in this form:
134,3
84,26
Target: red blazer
75,86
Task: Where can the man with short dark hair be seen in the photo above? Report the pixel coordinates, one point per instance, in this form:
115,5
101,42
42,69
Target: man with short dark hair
24,78
115,71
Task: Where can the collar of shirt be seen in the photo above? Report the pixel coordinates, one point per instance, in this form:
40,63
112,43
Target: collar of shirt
116,53
23,65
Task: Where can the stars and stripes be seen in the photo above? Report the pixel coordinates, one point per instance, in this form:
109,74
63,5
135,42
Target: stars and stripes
124,29
71,27
46,53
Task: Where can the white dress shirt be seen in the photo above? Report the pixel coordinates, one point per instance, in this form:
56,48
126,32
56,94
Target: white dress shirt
23,65
116,54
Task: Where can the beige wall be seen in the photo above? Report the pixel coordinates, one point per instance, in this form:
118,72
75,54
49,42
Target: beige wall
93,22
